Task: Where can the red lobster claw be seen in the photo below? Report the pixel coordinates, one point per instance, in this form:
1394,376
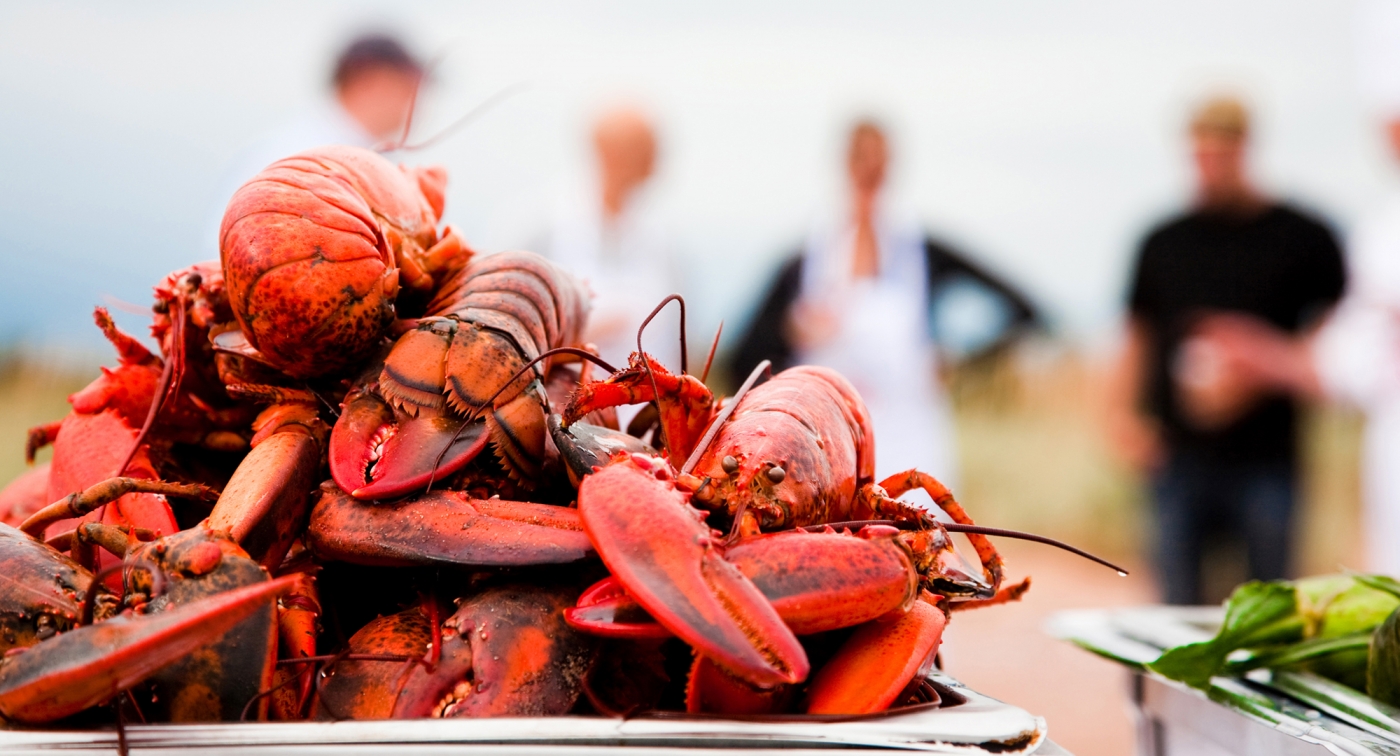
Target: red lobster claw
444,527
815,581
875,664
377,453
84,667
506,652
661,550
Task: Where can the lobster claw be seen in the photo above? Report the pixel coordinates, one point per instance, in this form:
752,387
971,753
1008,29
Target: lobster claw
506,652
606,610
815,581
444,527
378,453
585,447
86,666
667,558
878,661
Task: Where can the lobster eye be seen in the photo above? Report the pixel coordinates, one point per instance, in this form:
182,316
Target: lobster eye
729,464
776,474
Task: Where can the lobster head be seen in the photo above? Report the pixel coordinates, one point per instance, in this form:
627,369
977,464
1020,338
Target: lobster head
752,471
315,249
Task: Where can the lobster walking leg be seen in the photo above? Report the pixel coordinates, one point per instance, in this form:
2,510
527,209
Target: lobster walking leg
901,483
82,502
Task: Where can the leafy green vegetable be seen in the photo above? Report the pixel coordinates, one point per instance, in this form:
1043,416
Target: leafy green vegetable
1256,613
1383,665
1320,622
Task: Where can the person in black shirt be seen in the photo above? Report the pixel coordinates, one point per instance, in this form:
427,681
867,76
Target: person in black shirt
1223,456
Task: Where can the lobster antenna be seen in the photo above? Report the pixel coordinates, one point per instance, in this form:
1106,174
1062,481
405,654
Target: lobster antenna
657,311
713,430
710,358
641,355
958,527
501,95
581,353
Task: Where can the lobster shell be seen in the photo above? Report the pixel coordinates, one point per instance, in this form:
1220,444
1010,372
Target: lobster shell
313,249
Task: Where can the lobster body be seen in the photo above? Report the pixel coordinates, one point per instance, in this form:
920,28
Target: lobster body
317,247
487,321
807,422
795,451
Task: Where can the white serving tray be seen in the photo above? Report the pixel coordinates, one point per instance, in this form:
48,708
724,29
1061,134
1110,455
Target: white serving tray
978,725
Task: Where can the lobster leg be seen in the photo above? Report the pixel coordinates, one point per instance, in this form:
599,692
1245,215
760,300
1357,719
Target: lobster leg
875,664
39,437
82,502
686,406
1005,595
444,527
87,666
672,563
899,484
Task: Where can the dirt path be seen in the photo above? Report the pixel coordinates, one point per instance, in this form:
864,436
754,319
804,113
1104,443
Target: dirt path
1005,653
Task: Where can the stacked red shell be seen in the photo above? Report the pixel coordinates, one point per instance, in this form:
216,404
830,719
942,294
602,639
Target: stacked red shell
285,510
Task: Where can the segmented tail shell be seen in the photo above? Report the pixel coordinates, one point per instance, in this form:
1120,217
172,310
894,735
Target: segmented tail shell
311,249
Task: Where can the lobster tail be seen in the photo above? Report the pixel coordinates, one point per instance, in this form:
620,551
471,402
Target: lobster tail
315,248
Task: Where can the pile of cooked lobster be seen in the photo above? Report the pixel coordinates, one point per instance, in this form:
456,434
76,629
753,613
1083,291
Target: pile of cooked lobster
371,474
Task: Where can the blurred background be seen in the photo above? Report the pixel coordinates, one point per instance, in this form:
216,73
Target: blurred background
1042,141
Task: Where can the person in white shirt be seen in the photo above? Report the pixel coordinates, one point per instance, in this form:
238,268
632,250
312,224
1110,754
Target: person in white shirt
609,235
862,297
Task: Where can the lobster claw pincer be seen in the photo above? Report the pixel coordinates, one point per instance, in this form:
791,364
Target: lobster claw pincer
667,558
86,666
506,652
377,452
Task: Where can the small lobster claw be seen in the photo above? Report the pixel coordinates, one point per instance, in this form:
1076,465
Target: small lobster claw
506,652
86,666
377,452
667,558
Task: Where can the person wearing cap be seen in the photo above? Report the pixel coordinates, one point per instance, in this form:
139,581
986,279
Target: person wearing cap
1221,450
373,86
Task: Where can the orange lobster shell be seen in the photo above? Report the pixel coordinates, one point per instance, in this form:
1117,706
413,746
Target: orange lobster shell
317,247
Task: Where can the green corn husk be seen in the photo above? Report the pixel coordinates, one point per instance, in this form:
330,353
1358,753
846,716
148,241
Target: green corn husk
1320,623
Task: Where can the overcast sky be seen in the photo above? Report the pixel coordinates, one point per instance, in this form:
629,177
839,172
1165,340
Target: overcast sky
1041,137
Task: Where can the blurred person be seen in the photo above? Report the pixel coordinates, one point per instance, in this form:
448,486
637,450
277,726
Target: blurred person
373,87
1355,356
860,297
608,234
1221,449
